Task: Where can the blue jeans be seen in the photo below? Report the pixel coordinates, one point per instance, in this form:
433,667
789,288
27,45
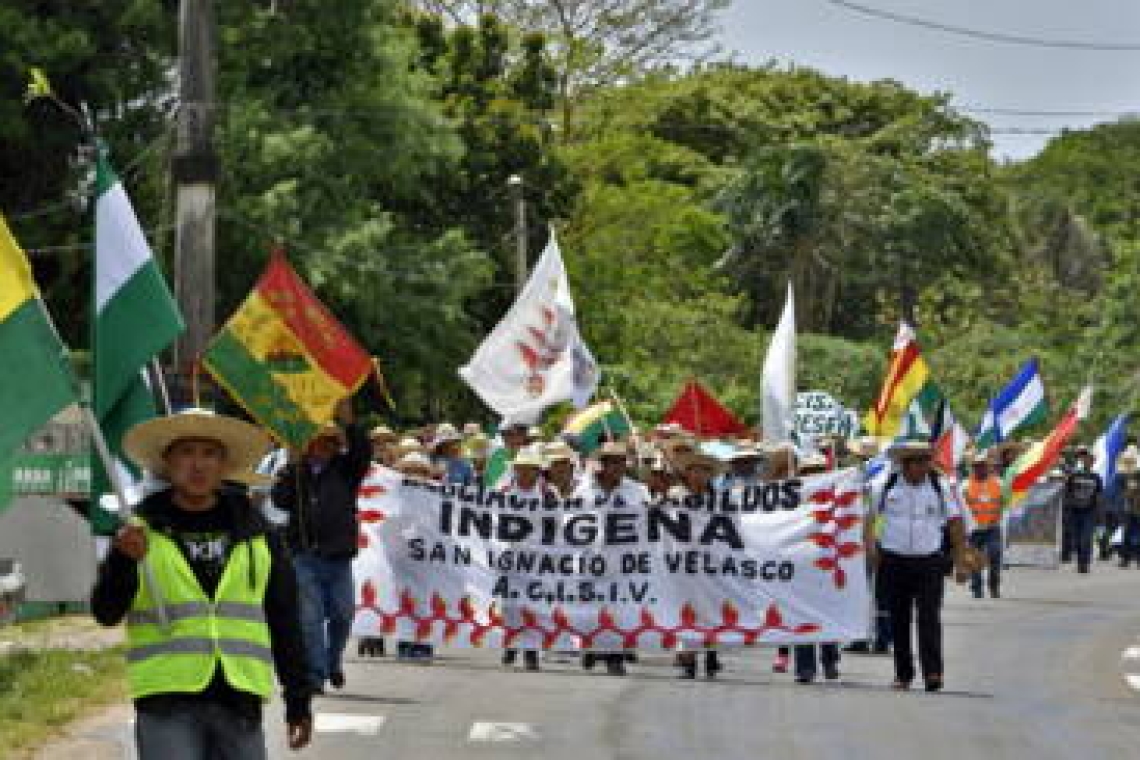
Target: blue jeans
988,541
328,605
195,729
1077,535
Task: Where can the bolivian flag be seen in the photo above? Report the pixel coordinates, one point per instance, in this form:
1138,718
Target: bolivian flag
596,422
285,358
906,377
1035,463
35,380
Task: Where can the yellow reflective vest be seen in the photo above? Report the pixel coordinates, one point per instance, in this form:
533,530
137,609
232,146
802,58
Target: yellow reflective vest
200,634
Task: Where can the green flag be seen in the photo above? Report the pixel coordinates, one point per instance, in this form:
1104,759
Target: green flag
135,318
35,379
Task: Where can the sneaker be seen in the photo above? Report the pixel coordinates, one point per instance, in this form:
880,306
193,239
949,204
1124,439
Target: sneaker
337,679
1082,568
588,660
509,656
805,678
688,671
995,594
781,664
831,672
530,660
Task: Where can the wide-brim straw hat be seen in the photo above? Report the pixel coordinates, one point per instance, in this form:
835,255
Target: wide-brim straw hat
558,452
445,434
146,443
529,457
1128,462
910,447
746,451
700,459
383,433
414,463
813,464
866,446
612,449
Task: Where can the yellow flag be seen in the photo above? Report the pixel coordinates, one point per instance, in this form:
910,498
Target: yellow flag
38,85
16,285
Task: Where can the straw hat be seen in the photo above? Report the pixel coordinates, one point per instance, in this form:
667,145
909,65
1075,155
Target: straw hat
383,433
980,457
529,457
445,433
813,464
558,452
745,451
416,464
1129,461
866,446
146,444
472,429
700,459
910,447
612,449
409,446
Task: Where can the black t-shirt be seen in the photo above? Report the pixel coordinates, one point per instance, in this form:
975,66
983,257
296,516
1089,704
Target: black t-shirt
1082,489
205,539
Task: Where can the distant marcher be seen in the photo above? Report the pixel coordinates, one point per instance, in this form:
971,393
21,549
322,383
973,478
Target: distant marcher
319,492
1080,501
984,498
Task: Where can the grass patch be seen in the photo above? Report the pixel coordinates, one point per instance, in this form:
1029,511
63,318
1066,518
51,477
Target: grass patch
42,691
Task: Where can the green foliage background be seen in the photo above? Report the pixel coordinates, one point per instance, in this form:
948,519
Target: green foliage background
375,144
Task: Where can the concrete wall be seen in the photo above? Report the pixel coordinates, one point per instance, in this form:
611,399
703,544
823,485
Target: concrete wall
53,545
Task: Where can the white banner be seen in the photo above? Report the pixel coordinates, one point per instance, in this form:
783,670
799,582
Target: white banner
779,563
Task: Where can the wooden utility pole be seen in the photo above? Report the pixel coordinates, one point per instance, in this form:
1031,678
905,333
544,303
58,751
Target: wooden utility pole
195,174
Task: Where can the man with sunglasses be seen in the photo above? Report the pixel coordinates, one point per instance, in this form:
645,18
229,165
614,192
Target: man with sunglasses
920,514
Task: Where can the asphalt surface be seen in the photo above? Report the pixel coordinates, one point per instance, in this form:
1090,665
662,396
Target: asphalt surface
1052,670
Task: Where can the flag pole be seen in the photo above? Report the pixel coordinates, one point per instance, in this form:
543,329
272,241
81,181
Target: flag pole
109,466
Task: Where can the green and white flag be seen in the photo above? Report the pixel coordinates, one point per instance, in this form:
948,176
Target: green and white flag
135,318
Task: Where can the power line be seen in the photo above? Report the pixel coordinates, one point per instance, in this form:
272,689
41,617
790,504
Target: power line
981,34
1046,113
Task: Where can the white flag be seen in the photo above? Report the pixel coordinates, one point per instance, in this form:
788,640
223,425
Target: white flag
535,358
779,394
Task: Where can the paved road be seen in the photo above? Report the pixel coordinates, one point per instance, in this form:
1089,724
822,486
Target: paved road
1042,674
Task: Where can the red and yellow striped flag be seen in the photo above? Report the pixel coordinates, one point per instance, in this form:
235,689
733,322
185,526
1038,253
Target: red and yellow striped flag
1035,463
285,358
906,377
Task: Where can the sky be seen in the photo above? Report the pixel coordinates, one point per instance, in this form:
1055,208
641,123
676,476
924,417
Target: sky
979,74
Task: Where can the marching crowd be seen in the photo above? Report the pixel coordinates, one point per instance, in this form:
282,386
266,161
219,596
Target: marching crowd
226,576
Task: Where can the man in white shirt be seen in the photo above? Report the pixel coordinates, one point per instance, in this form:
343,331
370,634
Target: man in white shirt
916,508
609,488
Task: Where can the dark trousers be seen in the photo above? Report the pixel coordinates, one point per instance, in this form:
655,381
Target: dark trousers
883,636
989,542
915,584
327,609
1130,546
806,665
195,729
1077,535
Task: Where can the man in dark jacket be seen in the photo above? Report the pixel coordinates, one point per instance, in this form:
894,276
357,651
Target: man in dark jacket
209,597
1081,498
319,494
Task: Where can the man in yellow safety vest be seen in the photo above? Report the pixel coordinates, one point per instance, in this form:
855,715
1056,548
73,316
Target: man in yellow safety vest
208,594
983,496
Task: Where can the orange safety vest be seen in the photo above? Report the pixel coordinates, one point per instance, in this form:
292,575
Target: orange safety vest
983,497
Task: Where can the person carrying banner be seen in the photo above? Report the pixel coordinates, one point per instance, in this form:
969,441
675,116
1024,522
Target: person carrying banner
920,514
1080,501
446,448
807,662
527,484
318,490
780,464
697,471
744,467
984,498
561,469
608,487
218,612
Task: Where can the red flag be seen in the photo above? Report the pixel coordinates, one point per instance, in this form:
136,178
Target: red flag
698,412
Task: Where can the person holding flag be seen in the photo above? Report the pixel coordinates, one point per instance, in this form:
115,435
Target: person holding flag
218,611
